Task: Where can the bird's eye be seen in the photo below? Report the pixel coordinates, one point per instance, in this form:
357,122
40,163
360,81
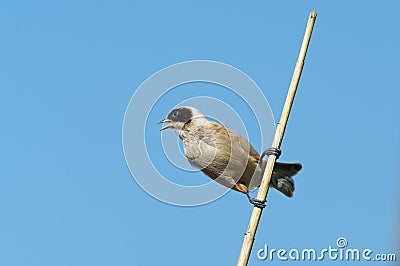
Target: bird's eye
175,114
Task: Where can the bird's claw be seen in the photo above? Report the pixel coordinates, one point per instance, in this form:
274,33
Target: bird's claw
258,203
271,151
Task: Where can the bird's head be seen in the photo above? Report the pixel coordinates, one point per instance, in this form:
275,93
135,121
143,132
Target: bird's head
180,116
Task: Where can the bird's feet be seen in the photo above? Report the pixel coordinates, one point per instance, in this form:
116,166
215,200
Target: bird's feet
271,151
256,202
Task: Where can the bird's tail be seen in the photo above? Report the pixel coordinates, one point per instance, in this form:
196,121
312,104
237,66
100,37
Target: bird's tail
282,177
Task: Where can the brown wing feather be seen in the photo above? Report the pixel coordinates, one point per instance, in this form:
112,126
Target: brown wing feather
244,158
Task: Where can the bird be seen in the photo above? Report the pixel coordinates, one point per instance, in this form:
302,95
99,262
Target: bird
226,156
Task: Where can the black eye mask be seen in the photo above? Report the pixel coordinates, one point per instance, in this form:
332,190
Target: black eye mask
180,115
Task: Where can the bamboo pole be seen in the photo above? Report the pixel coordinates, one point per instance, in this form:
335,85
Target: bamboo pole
280,130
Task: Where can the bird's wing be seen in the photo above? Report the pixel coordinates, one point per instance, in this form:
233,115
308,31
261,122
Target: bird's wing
244,145
223,134
240,158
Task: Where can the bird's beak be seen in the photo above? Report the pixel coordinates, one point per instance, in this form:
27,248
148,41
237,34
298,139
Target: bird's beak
165,121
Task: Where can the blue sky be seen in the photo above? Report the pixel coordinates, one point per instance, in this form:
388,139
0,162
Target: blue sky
69,68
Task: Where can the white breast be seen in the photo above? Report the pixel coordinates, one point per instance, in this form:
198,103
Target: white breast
198,151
